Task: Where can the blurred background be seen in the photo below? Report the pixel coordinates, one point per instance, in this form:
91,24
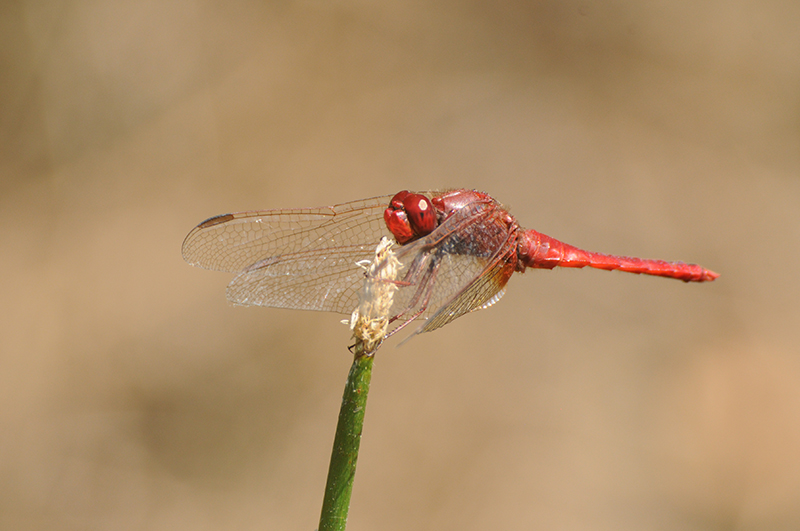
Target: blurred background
135,397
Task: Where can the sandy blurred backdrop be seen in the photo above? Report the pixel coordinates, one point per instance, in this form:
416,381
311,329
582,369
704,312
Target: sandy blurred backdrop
135,397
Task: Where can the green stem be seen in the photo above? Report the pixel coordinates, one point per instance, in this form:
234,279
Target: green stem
345,444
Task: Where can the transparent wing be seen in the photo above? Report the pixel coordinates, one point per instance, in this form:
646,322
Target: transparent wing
482,292
292,258
460,267
234,242
321,279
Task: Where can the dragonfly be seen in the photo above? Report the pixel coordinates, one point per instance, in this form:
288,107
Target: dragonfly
457,250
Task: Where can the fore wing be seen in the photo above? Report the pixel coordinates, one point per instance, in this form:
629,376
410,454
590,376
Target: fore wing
292,258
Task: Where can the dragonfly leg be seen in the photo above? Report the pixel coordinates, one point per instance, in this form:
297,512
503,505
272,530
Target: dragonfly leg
425,290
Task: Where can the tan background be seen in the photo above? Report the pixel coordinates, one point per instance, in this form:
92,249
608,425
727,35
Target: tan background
134,397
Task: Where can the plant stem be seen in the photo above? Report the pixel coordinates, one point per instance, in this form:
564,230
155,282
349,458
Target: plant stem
346,442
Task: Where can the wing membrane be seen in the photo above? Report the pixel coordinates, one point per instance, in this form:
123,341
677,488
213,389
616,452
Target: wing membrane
322,279
234,242
458,268
483,289
292,258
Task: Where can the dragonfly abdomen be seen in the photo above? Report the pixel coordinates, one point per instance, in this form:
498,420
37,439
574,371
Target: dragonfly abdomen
537,250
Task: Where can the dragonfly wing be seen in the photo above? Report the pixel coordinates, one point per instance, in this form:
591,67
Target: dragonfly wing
234,242
303,258
484,290
464,262
324,279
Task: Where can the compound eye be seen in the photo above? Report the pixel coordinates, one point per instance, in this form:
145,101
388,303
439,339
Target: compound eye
397,201
396,219
420,212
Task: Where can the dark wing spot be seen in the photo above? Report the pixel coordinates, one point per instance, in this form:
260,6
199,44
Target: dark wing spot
216,220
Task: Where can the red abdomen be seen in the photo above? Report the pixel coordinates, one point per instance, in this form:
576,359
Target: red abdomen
538,250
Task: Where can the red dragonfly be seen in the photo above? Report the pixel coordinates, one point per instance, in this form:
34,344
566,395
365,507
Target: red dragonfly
457,250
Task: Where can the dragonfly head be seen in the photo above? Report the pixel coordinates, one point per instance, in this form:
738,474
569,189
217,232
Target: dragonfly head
410,216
